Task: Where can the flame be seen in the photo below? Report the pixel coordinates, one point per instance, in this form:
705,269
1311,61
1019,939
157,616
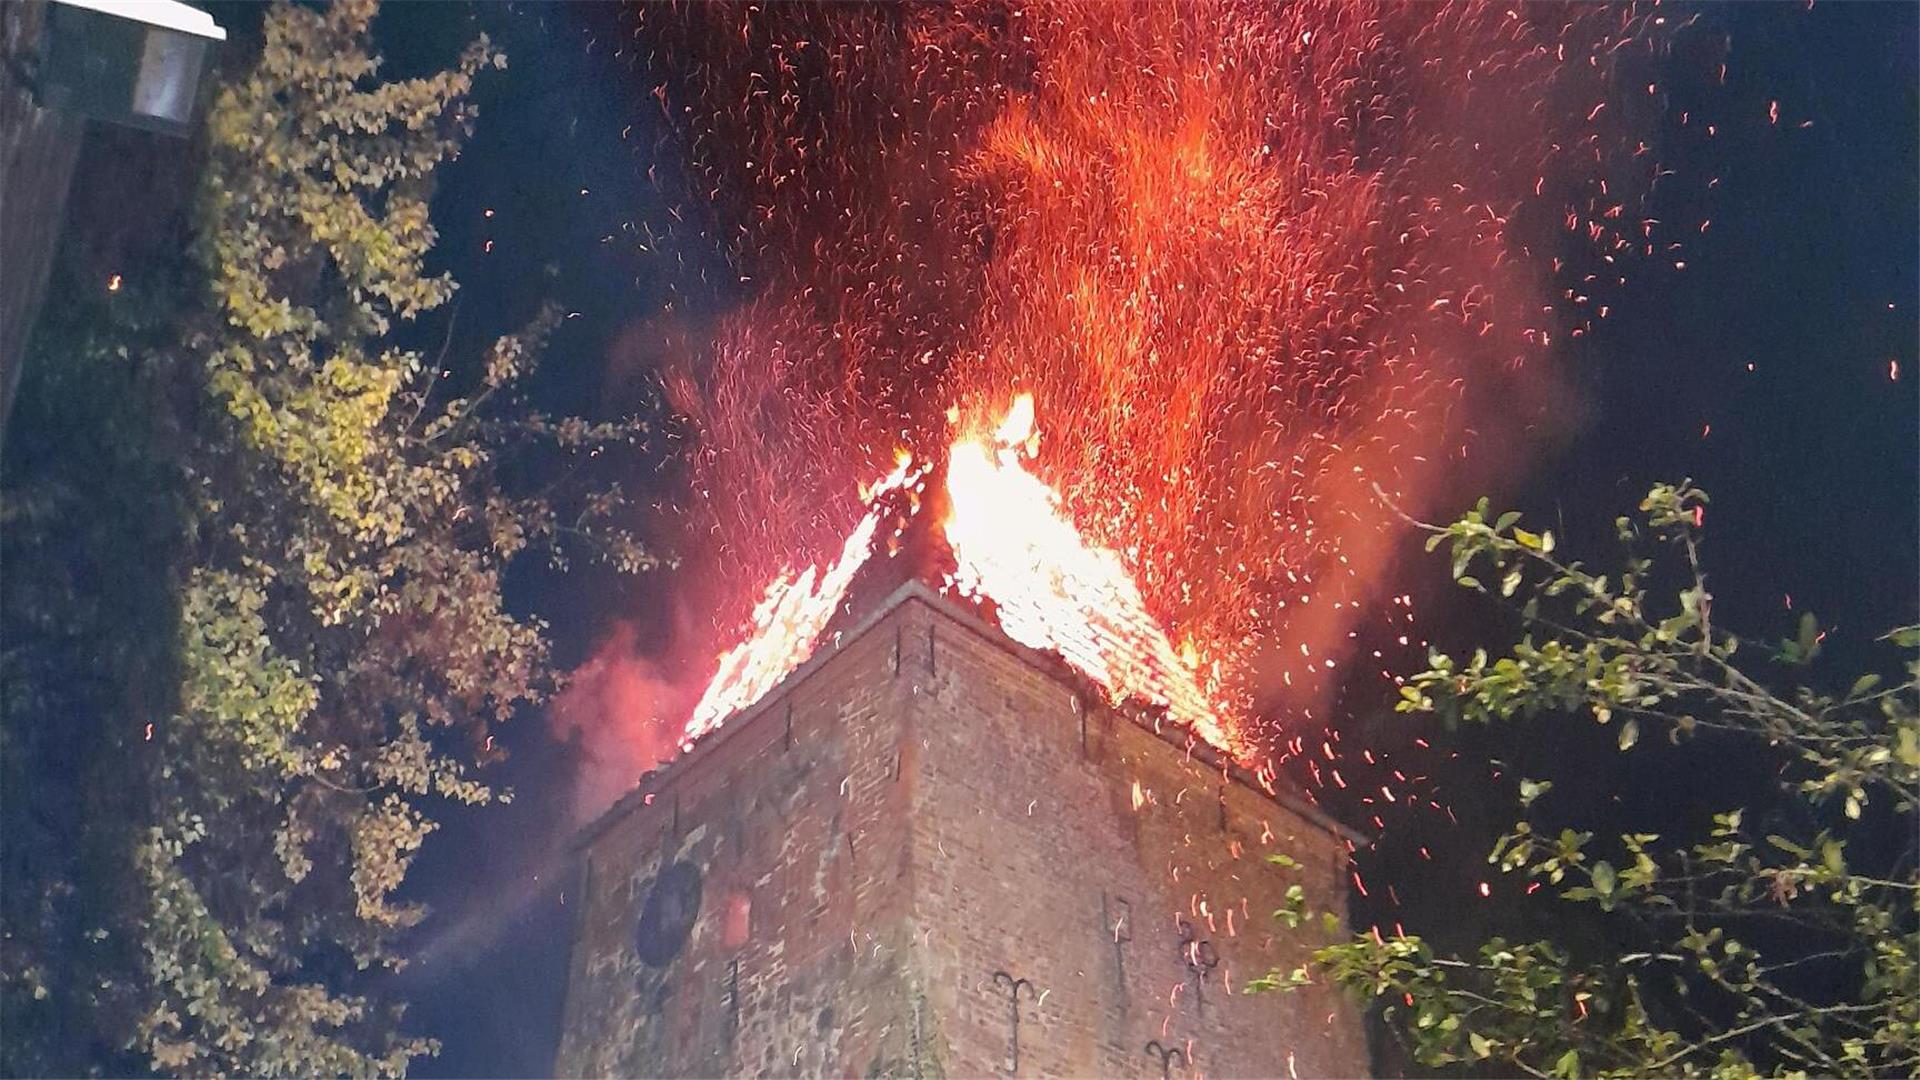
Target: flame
1017,429
1014,547
1052,589
1253,261
788,620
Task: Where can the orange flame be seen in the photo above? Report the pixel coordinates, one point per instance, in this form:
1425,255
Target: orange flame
1014,547
1054,590
789,618
1258,261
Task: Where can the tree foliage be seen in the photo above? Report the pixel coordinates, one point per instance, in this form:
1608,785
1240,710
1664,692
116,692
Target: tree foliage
1788,953
318,523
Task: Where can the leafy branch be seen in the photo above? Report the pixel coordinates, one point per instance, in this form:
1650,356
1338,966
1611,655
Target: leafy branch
1717,993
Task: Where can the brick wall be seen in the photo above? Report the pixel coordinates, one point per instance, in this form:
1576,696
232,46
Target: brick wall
911,813
1031,857
797,832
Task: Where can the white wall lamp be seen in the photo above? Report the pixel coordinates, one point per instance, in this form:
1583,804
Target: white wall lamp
135,62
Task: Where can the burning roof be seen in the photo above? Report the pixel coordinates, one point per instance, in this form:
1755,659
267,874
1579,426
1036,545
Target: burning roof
1007,544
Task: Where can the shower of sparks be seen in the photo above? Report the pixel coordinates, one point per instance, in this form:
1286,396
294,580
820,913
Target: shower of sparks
1249,261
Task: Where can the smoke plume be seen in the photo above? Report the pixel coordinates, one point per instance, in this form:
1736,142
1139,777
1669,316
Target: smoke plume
622,710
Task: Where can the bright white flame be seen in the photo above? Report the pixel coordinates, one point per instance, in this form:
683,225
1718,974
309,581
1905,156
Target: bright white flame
1053,589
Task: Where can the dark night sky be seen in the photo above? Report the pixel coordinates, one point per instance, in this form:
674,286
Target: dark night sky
1808,273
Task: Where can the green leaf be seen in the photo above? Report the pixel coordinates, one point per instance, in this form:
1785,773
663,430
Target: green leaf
1907,747
1808,638
1568,1065
1482,1046
1629,734
1604,878
1787,845
1864,685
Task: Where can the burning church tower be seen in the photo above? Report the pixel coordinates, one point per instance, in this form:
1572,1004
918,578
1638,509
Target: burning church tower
955,808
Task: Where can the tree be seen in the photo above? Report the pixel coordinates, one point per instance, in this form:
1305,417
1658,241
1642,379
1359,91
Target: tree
318,521
1788,953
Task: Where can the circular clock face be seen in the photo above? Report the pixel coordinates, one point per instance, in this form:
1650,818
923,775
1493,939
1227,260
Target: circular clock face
672,905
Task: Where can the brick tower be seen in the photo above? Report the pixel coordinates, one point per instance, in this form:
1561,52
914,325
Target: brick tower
930,851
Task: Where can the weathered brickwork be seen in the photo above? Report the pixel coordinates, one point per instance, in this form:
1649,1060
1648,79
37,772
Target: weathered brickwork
852,879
